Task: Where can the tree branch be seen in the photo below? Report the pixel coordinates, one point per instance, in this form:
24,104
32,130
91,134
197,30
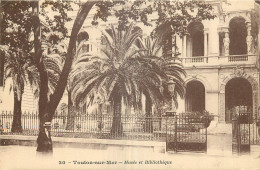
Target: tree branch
58,93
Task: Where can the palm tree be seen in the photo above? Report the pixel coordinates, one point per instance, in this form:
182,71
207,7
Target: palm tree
153,51
18,68
71,107
119,73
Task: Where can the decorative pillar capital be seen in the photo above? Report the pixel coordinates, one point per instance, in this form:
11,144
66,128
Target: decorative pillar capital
225,30
206,31
248,25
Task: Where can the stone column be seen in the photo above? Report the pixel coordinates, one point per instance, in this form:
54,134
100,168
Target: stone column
258,59
184,49
255,103
213,39
258,40
179,45
226,42
205,43
174,50
249,39
222,106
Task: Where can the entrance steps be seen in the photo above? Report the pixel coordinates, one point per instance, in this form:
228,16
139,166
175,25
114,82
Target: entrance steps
219,128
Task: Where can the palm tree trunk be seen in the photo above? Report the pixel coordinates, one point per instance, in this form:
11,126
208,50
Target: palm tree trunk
47,109
71,117
43,141
148,113
17,123
117,128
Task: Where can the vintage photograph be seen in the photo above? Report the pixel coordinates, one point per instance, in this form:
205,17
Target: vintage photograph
129,84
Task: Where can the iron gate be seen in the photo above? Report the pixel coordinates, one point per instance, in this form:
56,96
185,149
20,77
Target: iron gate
187,133
241,132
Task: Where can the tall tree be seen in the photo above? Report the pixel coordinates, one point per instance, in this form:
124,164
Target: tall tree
153,50
180,14
16,52
47,107
19,69
16,35
72,109
118,74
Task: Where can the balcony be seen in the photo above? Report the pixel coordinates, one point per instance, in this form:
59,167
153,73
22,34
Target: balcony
219,60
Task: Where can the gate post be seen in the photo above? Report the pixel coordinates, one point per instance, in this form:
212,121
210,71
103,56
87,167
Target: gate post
169,145
244,131
175,133
241,132
166,134
235,138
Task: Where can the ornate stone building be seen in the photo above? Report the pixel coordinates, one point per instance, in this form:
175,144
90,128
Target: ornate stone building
221,59
220,56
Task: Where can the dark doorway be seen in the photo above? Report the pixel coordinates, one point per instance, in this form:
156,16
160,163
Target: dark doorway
196,31
238,92
238,33
195,97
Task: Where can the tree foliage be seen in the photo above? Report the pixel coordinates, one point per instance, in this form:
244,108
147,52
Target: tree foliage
173,18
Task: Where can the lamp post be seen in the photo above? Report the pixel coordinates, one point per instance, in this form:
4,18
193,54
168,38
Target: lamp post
171,87
171,113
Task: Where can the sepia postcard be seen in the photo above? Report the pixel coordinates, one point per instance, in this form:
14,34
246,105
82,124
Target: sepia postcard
129,84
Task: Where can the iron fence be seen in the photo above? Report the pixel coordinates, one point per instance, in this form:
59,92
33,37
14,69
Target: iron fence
241,132
133,127
187,133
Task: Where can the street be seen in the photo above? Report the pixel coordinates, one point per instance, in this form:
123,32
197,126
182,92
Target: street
24,157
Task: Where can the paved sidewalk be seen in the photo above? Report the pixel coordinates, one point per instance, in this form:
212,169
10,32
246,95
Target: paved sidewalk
86,143
218,145
24,157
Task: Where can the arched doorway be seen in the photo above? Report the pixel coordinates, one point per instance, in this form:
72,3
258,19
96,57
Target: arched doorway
238,92
238,33
195,96
195,41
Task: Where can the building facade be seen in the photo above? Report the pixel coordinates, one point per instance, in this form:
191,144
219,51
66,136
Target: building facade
220,56
221,59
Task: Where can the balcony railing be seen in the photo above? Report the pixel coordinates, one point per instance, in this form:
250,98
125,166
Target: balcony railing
219,60
237,58
196,60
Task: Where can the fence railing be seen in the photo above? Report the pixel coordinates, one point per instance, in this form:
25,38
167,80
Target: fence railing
91,126
133,127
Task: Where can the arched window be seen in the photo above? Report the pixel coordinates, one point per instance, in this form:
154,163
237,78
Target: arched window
195,39
83,36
